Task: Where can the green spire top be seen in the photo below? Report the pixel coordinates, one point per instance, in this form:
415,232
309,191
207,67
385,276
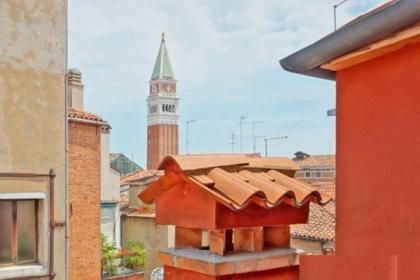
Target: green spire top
163,68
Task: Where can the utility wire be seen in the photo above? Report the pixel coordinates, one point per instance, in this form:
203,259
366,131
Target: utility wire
307,114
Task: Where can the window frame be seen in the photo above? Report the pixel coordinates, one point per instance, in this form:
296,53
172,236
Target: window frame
14,235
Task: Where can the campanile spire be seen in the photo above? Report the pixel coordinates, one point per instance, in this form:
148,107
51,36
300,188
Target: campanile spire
162,103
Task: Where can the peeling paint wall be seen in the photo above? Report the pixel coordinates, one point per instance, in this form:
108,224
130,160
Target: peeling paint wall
33,59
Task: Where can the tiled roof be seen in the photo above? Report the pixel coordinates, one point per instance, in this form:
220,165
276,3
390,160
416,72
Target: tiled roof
320,226
316,160
236,180
140,175
195,162
77,114
325,187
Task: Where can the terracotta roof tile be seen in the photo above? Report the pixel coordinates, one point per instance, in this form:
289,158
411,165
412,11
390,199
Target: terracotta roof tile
77,114
236,180
320,226
325,187
316,160
196,162
140,175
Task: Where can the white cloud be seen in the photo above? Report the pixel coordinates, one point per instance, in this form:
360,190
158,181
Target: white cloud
219,50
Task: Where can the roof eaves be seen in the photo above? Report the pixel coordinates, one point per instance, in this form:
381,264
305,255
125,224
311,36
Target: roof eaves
87,121
310,237
364,30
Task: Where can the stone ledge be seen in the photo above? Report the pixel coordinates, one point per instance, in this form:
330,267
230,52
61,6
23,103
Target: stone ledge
16,271
205,262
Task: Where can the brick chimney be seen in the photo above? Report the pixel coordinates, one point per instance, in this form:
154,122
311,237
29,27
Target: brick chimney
232,216
75,89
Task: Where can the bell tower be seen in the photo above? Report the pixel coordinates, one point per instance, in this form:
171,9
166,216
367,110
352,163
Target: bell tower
162,106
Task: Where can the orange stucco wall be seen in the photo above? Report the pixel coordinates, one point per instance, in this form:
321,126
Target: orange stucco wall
378,159
378,163
286,273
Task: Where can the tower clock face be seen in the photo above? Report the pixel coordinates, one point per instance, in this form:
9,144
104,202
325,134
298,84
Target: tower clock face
154,89
168,88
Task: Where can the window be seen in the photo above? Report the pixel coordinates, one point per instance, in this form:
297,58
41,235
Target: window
318,174
307,174
18,231
108,221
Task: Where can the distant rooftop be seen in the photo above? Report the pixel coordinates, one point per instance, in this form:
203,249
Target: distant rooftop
305,160
139,175
320,226
82,115
123,164
322,219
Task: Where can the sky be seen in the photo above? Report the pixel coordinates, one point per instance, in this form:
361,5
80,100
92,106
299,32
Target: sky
225,55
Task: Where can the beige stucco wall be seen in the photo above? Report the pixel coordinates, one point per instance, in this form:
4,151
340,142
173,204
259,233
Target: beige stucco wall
144,230
110,179
134,190
32,101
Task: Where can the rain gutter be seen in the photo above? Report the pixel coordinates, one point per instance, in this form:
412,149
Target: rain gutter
360,32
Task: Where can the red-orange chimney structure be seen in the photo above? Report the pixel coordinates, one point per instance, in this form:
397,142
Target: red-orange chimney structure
375,62
232,215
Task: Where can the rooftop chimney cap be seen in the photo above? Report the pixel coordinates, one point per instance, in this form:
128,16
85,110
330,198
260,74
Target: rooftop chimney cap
301,155
74,71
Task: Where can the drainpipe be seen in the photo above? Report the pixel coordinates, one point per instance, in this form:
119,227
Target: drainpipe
66,177
52,225
373,26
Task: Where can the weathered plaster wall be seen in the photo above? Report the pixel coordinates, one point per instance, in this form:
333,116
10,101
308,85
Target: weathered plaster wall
144,230
32,100
110,179
134,190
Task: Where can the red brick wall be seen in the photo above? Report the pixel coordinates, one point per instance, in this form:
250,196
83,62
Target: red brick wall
84,198
162,140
